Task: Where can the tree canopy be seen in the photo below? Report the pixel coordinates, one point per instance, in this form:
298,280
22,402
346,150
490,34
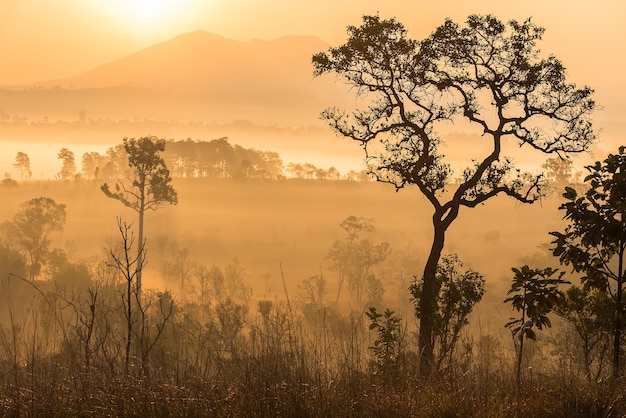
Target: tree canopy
594,241
35,221
147,187
487,76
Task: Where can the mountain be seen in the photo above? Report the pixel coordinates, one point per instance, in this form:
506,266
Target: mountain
197,75
203,62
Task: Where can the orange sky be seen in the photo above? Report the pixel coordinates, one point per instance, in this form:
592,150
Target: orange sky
43,39
47,40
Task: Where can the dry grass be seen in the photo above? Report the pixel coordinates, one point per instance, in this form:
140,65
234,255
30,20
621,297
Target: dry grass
57,391
267,355
278,364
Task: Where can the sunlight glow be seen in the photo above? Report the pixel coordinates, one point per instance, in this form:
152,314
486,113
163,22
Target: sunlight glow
148,11
144,13
149,21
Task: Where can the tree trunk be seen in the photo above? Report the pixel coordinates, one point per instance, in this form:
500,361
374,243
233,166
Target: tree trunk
139,270
427,301
140,249
618,317
520,357
616,342
587,358
129,321
341,278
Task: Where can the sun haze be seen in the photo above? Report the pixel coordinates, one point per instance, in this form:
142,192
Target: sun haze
85,40
145,14
270,247
147,11
40,39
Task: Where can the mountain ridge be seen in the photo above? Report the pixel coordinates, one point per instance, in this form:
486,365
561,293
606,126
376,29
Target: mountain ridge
201,61
194,76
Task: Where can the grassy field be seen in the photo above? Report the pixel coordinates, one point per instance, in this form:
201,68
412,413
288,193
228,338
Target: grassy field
271,350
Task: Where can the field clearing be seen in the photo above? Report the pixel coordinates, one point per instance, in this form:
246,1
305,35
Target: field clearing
266,225
267,350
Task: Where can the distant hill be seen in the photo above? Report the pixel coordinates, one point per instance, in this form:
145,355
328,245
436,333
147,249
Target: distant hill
197,75
259,94
203,62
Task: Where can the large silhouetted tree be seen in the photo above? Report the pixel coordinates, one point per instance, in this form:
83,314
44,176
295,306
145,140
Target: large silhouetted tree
594,242
147,188
485,76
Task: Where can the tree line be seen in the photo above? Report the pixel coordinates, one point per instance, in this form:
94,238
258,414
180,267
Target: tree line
190,159
592,243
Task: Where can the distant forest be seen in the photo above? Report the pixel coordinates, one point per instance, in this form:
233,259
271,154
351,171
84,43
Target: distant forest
186,158
189,158
212,159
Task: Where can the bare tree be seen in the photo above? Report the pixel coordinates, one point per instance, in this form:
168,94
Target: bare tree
130,269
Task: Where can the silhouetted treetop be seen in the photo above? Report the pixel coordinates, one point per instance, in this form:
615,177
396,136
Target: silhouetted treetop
485,76
189,158
218,158
486,72
149,186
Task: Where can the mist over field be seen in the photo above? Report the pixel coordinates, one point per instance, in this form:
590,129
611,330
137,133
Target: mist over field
293,223
278,277
259,94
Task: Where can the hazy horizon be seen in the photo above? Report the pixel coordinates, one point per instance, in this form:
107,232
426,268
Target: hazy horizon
91,33
99,60
200,80
197,229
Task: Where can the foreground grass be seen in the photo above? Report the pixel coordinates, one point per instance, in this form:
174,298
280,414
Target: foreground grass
62,355
249,389
222,360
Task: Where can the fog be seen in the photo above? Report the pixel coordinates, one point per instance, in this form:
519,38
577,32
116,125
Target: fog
278,230
291,223
277,263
